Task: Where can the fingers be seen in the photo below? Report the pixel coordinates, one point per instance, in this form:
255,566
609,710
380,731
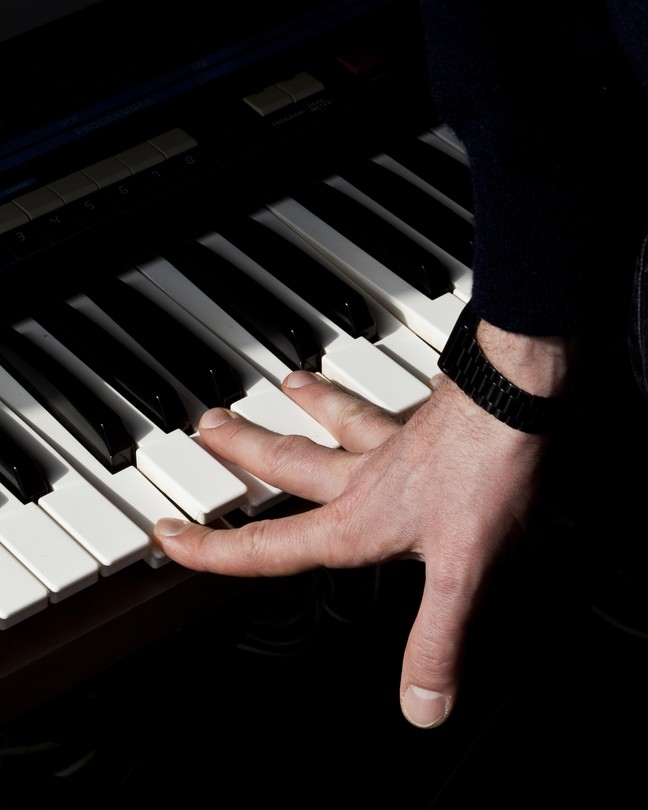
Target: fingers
278,547
294,464
358,425
414,491
281,547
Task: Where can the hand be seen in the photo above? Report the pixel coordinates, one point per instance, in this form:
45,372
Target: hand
451,486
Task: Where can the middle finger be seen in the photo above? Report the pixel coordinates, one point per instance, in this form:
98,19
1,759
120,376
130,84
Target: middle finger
294,463
358,425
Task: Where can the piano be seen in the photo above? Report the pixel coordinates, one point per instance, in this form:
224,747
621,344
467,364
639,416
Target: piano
191,206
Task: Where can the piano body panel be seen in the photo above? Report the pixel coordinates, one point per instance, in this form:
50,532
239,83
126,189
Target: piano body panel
230,172
54,650
122,615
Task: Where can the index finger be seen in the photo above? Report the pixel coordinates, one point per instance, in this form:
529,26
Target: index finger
277,547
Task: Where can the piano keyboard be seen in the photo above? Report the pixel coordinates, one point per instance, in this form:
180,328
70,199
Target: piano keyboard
341,277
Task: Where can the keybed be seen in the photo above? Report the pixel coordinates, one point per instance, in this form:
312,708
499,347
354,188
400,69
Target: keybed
393,337
354,364
431,319
131,492
94,522
260,401
171,460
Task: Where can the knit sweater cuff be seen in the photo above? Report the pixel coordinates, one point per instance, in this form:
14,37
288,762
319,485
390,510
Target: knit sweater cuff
546,242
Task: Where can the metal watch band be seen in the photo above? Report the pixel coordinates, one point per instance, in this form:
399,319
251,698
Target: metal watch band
464,362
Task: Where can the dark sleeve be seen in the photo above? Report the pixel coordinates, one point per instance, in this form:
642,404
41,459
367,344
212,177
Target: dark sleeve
629,20
554,123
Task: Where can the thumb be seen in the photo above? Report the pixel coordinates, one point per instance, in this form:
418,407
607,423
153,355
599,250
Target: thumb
432,659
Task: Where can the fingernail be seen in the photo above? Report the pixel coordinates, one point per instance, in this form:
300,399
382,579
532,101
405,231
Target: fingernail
424,708
170,527
298,379
215,417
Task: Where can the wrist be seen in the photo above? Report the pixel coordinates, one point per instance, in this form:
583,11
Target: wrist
534,397
543,366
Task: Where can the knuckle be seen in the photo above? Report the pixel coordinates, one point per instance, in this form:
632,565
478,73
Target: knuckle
281,456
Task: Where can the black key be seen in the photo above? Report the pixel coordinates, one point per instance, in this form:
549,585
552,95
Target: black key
378,238
445,173
264,315
19,471
117,365
78,409
427,215
305,276
197,366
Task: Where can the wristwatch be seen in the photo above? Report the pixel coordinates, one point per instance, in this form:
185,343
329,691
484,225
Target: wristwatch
464,362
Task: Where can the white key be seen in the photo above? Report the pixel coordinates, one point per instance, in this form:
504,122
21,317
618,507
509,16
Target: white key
411,352
354,364
99,526
448,141
128,489
431,319
21,593
45,549
268,406
112,539
260,495
201,487
39,542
